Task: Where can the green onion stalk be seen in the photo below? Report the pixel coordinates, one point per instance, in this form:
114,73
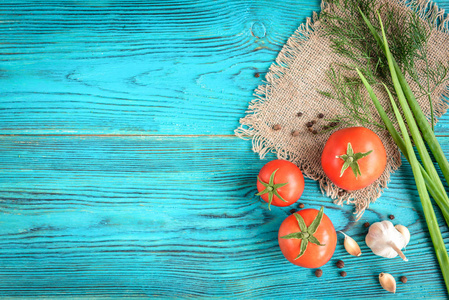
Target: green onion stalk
426,177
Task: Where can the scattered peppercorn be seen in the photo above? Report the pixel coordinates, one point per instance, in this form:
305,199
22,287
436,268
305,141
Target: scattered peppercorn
320,115
340,264
301,205
314,131
366,224
391,217
318,273
310,129
295,133
277,127
313,122
333,124
343,274
403,279
325,127
309,124
341,193
257,75
299,114
292,210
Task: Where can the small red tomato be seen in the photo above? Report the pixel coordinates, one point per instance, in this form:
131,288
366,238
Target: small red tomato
307,238
353,158
280,183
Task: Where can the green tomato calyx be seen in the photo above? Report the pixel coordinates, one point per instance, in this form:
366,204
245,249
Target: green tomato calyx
306,234
351,160
271,189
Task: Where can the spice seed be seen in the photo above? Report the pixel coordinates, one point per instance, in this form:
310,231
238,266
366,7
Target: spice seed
325,127
301,205
340,264
292,211
299,114
333,124
314,131
366,224
341,193
343,274
320,115
257,75
313,122
391,217
403,279
309,124
277,127
318,273
295,133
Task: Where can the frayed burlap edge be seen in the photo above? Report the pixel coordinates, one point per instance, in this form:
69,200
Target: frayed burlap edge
427,10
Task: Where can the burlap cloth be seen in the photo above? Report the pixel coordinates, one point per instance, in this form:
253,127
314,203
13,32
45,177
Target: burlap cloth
292,86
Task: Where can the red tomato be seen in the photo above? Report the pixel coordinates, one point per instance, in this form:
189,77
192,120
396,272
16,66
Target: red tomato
314,256
366,151
280,178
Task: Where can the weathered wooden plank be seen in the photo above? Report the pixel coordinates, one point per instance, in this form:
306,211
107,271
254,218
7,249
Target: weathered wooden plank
138,67
177,217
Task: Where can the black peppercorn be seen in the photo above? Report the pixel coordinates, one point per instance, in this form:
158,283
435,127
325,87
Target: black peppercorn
309,124
340,264
320,115
301,205
366,224
318,273
257,75
391,217
299,114
403,279
341,193
314,131
292,211
333,124
343,274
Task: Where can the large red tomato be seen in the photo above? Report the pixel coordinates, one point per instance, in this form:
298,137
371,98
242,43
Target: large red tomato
280,183
307,238
353,158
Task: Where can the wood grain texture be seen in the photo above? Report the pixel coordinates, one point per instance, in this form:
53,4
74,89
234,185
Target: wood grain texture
130,216
119,174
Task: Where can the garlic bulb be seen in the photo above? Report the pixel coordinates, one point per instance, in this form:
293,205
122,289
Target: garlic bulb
385,240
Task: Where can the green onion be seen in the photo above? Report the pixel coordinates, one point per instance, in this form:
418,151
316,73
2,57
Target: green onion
429,214
421,119
426,178
438,194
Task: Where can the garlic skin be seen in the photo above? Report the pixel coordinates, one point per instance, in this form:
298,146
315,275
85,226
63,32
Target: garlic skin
405,233
351,245
388,282
385,240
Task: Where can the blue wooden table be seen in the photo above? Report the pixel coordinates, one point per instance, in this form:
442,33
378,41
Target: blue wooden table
120,175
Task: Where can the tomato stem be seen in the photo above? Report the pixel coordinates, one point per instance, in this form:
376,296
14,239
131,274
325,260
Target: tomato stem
306,234
271,189
351,160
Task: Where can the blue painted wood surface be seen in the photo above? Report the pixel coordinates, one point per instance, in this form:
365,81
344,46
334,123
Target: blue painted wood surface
119,172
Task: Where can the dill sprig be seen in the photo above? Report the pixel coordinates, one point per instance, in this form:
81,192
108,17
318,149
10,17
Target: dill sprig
350,38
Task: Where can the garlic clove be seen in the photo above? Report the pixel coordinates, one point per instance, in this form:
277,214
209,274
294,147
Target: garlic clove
387,282
351,246
404,231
